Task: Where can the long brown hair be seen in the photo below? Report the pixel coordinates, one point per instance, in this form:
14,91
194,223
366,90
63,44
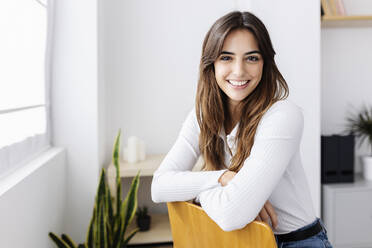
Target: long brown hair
211,102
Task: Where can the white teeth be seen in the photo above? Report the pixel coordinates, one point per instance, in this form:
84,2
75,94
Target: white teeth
237,83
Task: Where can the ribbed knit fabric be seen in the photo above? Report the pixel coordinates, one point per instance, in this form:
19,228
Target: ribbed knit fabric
273,172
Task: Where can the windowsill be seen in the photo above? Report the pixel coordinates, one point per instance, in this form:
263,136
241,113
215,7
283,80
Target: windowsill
12,179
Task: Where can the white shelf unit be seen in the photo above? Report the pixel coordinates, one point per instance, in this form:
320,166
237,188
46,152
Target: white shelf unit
347,213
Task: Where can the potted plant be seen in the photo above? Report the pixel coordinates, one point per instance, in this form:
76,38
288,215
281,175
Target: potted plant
143,219
110,219
361,126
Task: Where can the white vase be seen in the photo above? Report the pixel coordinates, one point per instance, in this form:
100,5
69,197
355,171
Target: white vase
132,152
367,167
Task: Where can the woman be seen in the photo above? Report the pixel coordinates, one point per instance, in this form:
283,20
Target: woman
249,136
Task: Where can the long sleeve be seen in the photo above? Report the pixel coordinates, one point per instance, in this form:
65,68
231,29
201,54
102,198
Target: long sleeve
276,141
174,180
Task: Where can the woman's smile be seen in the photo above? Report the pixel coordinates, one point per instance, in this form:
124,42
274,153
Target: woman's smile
238,84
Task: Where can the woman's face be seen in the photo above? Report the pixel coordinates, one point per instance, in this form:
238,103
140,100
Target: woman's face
238,69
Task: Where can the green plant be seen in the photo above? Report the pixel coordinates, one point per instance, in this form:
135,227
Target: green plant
109,223
360,125
143,219
142,212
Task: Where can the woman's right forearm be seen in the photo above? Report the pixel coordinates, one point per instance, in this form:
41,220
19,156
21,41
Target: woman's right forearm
169,186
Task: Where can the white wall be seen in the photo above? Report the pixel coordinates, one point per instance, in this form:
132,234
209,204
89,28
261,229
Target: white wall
76,108
346,76
36,205
103,153
151,57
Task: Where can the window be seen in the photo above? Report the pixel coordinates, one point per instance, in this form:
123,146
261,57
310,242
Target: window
24,125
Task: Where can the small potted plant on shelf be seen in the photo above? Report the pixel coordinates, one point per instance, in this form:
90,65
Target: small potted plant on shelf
143,219
360,125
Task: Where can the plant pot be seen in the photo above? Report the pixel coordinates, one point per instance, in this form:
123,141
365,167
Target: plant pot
144,223
367,167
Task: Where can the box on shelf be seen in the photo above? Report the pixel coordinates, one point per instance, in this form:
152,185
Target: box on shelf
337,158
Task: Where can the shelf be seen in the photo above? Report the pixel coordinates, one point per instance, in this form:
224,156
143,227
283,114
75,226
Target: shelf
346,21
346,18
359,184
147,167
160,231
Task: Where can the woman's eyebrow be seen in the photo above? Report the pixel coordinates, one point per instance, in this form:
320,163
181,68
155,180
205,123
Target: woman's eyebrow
247,53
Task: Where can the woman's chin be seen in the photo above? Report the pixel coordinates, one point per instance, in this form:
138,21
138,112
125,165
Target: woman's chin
236,99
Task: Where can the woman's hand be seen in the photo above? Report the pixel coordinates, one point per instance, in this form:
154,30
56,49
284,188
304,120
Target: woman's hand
226,177
266,213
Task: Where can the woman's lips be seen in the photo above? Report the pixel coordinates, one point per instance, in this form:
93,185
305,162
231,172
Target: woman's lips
238,86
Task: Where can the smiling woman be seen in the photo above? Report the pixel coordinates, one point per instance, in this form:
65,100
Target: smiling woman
249,136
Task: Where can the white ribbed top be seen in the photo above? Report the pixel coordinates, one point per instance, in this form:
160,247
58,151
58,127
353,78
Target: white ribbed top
273,172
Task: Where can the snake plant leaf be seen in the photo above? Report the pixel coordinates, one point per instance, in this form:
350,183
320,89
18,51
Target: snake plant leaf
118,197
89,239
109,207
117,238
109,234
104,191
96,226
82,246
105,198
110,225
130,236
101,192
115,154
117,226
68,240
129,206
100,198
58,241
102,228
116,161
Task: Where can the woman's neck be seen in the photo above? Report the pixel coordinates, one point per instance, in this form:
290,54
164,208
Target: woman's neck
234,117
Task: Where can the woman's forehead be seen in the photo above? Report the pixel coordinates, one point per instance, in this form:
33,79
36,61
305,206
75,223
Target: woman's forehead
240,41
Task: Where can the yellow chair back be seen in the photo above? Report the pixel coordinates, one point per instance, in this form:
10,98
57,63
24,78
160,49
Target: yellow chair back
193,228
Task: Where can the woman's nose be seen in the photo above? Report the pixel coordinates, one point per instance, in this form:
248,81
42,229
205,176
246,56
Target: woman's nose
239,69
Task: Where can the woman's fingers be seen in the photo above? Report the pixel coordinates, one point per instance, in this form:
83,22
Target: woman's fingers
268,214
264,216
226,177
271,212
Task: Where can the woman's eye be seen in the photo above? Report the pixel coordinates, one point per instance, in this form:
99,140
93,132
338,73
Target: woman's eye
253,58
225,58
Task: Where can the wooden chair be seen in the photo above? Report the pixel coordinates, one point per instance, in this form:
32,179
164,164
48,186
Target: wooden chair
193,228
